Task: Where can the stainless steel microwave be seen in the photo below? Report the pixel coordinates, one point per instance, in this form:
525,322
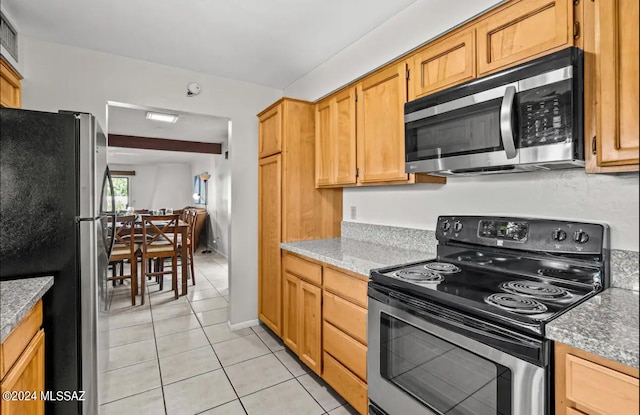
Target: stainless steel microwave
526,118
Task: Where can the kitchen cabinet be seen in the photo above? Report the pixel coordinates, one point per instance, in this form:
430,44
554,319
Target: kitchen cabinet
591,385
269,237
522,31
290,208
442,64
380,125
336,139
10,87
616,75
22,364
303,310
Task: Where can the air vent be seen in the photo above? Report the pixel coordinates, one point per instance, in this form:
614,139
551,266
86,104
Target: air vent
8,37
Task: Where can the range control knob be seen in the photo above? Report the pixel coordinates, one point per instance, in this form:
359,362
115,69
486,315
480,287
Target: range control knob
580,237
559,235
446,225
457,226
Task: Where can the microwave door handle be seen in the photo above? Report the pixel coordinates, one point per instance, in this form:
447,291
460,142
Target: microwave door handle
506,125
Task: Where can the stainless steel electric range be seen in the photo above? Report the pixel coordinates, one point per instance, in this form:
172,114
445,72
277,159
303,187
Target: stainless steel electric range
464,334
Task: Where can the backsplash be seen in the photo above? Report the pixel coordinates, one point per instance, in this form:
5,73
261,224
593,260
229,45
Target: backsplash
625,269
624,264
416,239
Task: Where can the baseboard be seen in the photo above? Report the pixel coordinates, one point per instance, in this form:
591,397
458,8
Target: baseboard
243,325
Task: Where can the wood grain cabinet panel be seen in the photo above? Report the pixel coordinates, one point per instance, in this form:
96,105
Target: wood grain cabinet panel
523,31
303,269
348,317
586,384
443,63
345,137
325,157
27,374
269,235
348,385
290,311
310,328
270,132
10,86
616,60
349,287
380,125
349,352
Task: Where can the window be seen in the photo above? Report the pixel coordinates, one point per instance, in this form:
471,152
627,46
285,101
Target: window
121,192
8,37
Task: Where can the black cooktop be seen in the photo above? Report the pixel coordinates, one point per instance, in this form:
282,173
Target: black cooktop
521,292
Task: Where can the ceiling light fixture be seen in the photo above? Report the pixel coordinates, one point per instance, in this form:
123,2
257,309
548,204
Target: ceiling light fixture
159,116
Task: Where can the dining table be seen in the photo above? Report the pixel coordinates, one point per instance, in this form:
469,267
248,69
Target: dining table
183,230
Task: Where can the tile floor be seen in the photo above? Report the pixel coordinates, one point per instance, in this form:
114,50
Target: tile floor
178,357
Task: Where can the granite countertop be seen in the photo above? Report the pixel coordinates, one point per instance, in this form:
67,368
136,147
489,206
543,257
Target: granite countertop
17,297
606,325
353,255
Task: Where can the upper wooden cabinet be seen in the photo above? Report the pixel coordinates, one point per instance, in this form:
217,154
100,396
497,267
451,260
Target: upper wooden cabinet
10,89
336,139
523,31
270,131
616,65
442,64
380,129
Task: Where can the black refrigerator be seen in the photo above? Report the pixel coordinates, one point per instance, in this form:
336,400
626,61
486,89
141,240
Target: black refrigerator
56,206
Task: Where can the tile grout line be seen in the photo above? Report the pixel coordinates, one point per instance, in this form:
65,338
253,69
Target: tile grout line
155,340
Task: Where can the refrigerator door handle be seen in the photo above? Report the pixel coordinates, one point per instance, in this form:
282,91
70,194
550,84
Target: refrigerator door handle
111,213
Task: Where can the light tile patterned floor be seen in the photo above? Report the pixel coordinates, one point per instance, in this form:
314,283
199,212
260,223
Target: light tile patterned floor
178,357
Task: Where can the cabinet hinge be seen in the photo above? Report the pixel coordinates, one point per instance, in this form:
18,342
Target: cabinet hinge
408,73
576,2
357,172
576,30
594,145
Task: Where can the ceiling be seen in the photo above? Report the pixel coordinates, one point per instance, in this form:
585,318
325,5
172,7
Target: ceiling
266,42
131,120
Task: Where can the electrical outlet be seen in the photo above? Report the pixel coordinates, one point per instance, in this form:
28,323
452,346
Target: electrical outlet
353,212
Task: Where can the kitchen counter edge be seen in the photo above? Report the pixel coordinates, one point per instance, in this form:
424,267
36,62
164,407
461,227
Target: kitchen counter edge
17,298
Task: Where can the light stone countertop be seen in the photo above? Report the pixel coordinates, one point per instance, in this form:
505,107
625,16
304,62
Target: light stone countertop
353,255
17,298
606,325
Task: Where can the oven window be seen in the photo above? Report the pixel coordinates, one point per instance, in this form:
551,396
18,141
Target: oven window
469,130
443,376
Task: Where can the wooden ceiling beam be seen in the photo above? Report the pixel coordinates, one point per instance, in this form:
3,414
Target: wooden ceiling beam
148,143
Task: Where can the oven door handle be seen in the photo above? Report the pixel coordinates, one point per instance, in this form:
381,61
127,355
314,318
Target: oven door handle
529,350
506,124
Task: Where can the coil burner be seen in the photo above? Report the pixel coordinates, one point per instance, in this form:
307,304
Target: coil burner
534,289
516,303
442,267
419,275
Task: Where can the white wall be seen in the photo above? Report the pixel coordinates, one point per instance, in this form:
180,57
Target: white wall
58,76
568,194
218,188
156,186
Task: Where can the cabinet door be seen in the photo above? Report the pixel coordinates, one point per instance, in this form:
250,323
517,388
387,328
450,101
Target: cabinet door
10,91
310,316
443,64
324,142
269,238
27,374
345,137
380,133
290,311
270,132
617,82
523,31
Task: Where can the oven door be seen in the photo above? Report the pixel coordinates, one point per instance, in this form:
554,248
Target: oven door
425,359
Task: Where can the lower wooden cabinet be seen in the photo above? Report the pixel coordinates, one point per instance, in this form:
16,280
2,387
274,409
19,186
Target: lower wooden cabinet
22,365
310,317
290,311
591,385
348,385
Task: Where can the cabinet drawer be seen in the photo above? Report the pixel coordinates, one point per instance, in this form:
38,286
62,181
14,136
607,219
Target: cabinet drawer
19,338
571,411
352,389
304,269
346,286
346,316
351,353
603,390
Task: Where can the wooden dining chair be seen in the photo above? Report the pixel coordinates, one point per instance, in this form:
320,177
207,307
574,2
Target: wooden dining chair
190,219
124,249
159,242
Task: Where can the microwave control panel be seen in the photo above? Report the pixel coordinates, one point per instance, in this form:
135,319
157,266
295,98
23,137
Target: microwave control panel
546,115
